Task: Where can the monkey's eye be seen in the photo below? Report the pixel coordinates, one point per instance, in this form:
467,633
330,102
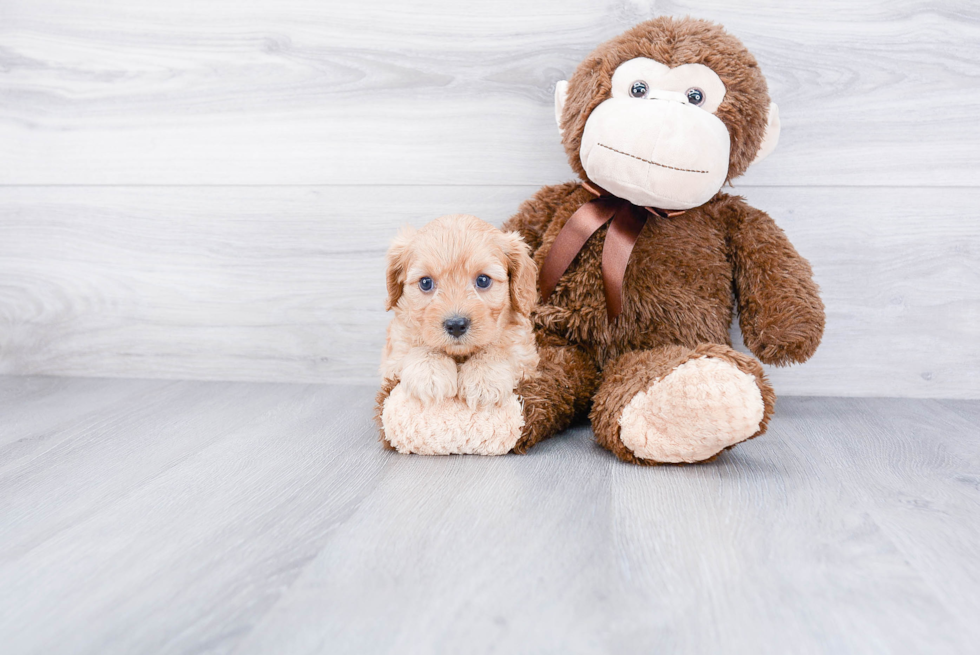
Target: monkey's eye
639,89
483,281
425,284
695,96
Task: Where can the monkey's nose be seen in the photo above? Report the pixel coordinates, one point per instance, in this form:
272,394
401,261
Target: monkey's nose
661,94
457,325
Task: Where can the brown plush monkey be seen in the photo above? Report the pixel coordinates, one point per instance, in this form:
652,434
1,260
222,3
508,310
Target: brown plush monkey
643,264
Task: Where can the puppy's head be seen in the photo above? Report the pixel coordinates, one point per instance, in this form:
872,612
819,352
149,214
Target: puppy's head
459,283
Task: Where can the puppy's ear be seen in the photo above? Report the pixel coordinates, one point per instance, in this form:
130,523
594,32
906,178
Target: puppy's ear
397,261
522,274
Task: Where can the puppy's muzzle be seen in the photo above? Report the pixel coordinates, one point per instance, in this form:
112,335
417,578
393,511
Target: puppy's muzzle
456,326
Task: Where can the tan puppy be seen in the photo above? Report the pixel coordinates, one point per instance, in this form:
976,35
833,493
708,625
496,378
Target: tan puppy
462,292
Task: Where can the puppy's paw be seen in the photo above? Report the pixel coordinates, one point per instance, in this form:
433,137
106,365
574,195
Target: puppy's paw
482,385
430,378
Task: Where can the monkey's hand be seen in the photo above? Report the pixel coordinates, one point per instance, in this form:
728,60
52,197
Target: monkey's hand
785,334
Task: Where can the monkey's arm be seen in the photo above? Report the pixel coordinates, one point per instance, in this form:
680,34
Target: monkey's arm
535,214
779,306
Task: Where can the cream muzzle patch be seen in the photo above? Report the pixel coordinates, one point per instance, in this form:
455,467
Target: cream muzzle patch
656,153
656,140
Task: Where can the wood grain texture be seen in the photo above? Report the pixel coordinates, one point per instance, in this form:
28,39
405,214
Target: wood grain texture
351,119
438,92
287,284
180,517
237,486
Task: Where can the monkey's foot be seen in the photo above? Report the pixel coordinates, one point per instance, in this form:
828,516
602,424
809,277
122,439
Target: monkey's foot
700,408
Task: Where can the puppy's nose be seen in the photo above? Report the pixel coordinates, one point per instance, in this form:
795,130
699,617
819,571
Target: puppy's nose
457,325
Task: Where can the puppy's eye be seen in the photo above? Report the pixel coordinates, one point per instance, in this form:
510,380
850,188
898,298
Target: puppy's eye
638,89
695,96
483,281
425,284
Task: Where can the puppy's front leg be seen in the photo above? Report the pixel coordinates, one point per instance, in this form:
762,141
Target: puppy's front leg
487,378
429,376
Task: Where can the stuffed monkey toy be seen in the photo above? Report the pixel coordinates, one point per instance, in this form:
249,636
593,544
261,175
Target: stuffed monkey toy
644,262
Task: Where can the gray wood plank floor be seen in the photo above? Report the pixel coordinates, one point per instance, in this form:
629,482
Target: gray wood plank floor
143,516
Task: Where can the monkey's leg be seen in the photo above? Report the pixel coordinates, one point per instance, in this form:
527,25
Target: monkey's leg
561,389
678,404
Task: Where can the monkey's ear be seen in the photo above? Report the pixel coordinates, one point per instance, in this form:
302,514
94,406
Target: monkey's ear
397,261
771,137
561,92
522,274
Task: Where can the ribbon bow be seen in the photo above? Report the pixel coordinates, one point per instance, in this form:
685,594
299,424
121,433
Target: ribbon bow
627,222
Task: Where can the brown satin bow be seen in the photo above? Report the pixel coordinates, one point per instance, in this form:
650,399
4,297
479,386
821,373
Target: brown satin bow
627,222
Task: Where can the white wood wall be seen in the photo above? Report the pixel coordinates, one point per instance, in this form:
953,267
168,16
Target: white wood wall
206,189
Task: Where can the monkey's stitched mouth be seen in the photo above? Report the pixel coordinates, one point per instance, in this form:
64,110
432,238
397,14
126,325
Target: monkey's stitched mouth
647,161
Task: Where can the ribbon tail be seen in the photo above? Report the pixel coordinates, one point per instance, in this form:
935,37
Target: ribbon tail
580,226
620,238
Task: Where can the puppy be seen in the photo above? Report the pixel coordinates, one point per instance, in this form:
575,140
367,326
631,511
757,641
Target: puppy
462,292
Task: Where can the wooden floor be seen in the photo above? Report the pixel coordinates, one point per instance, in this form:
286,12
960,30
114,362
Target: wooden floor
191,517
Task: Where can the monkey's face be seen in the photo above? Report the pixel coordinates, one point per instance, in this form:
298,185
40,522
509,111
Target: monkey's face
664,114
656,140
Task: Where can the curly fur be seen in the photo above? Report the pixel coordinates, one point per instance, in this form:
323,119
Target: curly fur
467,379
